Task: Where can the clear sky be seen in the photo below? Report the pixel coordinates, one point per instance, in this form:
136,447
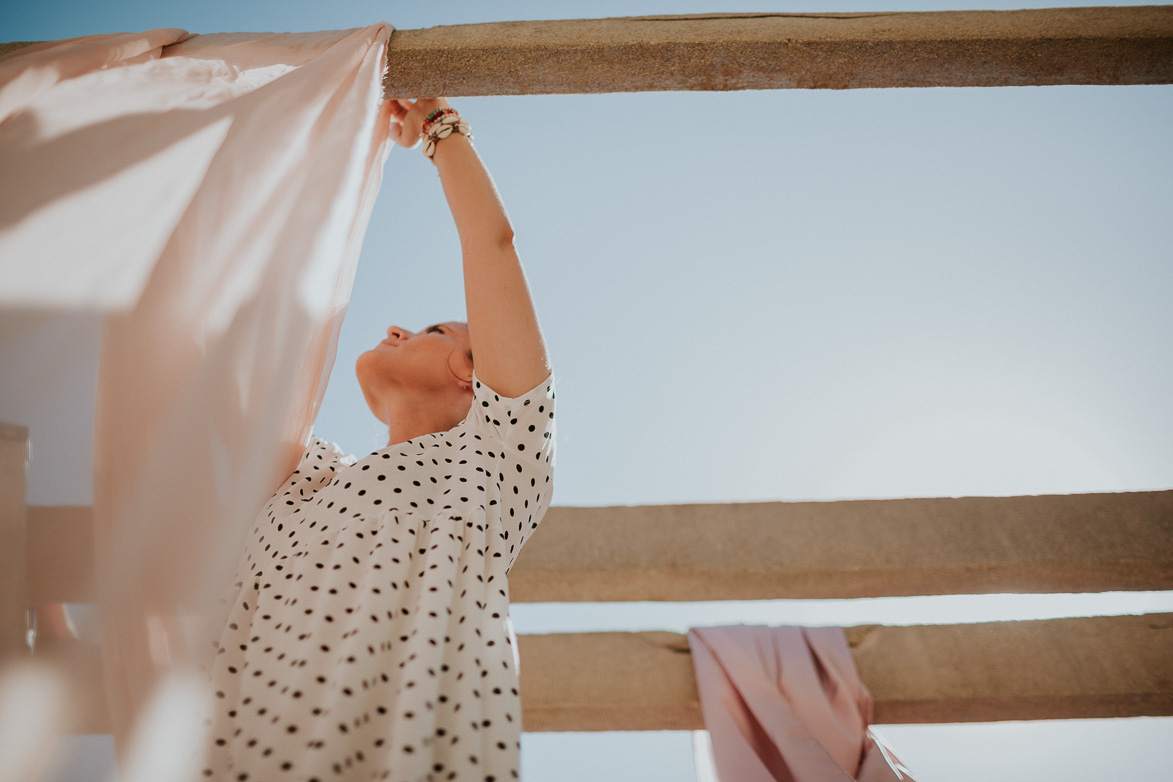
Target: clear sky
798,295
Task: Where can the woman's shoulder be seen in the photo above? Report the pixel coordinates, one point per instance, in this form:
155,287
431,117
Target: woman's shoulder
320,450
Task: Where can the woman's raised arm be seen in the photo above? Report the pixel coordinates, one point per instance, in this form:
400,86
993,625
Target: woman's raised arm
508,350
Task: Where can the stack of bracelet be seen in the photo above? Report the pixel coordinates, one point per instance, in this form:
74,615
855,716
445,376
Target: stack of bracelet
441,124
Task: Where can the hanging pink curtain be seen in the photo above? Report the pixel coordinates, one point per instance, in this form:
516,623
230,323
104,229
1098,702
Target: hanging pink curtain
785,704
209,194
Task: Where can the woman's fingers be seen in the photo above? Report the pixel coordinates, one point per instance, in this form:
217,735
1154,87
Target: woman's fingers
405,130
408,118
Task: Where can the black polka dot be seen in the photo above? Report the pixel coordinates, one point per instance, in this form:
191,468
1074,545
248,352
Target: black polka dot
369,600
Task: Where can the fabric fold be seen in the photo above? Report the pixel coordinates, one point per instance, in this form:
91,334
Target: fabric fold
785,704
209,194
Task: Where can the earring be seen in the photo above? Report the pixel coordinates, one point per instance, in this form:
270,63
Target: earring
462,381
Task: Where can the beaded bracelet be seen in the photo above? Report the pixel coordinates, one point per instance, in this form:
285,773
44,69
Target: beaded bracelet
437,112
435,115
442,129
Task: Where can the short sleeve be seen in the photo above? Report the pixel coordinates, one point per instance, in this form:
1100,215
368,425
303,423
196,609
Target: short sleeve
525,422
522,428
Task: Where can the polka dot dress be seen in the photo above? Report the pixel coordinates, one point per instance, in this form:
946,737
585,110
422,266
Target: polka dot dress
369,636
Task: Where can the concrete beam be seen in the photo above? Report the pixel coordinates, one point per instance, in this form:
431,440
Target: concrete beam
1128,45
758,551
78,664
14,455
1053,669
1099,45
1119,666
11,46
60,554
864,548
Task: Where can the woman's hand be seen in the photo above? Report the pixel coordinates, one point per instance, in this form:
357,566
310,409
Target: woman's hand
407,119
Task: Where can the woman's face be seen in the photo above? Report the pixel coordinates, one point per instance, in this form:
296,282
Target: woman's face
436,360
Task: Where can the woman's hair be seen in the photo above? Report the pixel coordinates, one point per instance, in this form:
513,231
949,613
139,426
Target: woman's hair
469,351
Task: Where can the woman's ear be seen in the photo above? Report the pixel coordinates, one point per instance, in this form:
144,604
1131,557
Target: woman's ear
460,365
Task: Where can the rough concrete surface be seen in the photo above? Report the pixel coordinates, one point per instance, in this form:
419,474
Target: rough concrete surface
1129,45
772,550
862,548
1050,669
1098,45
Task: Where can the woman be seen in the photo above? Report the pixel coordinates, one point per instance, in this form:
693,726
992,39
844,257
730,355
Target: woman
369,635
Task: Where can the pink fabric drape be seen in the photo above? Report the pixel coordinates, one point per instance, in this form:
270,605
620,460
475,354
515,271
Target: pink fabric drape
209,194
785,704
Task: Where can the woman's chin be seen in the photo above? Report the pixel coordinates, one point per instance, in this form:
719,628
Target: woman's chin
367,366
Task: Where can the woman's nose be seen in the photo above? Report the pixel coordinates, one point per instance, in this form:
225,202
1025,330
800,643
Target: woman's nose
395,332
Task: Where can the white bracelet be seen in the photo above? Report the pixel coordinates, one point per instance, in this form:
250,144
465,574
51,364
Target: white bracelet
442,129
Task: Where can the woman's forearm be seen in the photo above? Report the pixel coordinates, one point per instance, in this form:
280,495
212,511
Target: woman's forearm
508,350
476,207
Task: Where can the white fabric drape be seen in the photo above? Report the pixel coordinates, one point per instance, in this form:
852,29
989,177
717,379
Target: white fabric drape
209,194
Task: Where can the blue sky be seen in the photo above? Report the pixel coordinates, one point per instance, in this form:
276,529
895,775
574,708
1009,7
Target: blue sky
798,295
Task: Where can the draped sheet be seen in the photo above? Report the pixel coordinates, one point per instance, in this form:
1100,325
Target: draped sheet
209,195
785,704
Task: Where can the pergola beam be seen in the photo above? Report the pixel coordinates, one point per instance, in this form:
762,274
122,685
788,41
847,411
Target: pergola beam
767,51
1098,667
60,554
776,550
1101,45
1118,666
14,599
849,549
